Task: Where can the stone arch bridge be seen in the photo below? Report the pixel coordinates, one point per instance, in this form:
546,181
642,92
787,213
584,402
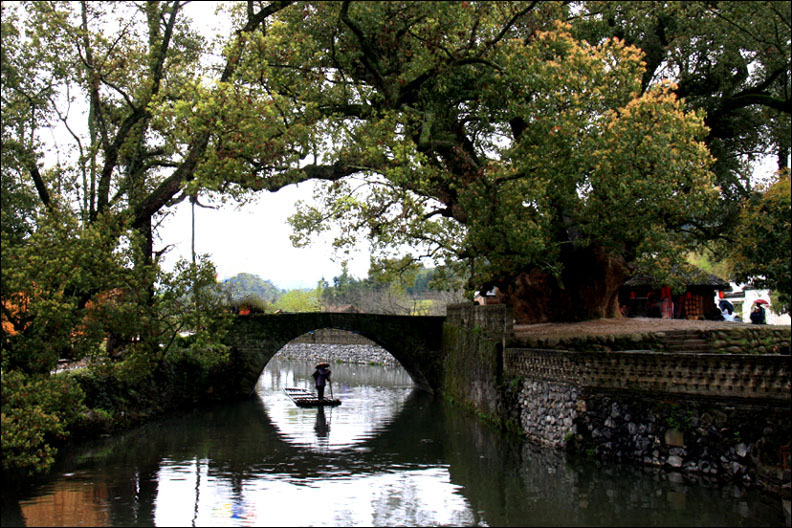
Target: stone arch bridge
415,341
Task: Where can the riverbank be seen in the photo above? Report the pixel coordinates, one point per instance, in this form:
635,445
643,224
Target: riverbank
702,398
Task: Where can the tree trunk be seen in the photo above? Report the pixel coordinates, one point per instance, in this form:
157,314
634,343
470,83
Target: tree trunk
588,289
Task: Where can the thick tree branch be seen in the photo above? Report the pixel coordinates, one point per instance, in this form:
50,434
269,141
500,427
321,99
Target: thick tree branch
748,99
369,58
332,172
41,187
507,27
171,186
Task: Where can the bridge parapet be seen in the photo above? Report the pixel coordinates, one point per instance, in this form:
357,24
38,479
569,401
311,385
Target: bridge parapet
495,320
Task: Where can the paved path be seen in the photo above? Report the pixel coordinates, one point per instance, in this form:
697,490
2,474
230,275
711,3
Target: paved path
625,325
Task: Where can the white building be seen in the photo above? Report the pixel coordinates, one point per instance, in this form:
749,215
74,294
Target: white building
743,300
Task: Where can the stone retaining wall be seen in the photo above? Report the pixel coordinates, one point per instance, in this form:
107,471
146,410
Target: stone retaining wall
359,354
723,415
333,336
547,411
714,438
744,441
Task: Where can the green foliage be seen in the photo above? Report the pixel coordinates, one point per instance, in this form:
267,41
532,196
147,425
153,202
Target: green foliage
37,412
493,137
51,283
408,289
707,261
253,303
188,319
298,301
248,286
729,59
761,254
84,231
488,136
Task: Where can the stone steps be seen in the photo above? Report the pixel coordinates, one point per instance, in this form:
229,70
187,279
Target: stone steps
682,341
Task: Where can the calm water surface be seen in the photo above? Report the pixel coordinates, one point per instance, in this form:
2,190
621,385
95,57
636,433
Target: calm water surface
387,456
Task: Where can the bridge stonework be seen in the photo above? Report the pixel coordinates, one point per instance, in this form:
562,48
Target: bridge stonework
415,342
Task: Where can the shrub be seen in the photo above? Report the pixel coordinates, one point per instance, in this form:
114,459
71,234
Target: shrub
37,411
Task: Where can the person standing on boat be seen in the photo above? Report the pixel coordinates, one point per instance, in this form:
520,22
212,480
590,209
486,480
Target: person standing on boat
321,375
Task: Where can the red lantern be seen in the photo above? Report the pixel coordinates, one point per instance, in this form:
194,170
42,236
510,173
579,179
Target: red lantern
720,294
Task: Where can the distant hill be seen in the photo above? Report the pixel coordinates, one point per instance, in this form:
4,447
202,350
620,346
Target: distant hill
247,285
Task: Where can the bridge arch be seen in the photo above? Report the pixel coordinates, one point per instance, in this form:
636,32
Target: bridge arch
415,341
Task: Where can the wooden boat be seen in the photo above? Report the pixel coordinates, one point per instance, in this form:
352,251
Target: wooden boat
303,398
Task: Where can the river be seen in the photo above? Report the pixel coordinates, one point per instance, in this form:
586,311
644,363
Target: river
389,455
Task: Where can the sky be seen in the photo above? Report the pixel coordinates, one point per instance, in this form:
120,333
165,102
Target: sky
255,239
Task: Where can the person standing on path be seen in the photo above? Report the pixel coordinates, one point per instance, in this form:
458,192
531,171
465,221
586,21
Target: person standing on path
321,375
758,314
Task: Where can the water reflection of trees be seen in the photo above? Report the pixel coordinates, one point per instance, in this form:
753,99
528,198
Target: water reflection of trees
503,482
235,444
73,503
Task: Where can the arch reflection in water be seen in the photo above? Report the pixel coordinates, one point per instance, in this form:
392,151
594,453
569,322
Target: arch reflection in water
371,399
364,463
231,465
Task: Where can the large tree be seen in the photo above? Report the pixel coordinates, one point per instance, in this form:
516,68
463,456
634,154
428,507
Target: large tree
488,134
548,159
129,92
730,60
107,112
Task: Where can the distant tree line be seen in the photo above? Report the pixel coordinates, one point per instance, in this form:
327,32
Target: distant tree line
412,293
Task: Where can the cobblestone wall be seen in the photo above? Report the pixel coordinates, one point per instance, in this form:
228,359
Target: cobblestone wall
359,354
721,439
548,411
714,415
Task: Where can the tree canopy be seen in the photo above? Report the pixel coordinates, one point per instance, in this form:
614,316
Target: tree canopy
493,137
729,59
550,148
244,285
763,250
